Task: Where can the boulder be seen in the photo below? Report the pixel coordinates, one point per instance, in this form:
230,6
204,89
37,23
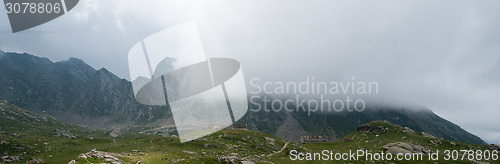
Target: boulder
402,147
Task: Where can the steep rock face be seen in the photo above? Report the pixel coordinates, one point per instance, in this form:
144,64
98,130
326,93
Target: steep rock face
291,129
73,92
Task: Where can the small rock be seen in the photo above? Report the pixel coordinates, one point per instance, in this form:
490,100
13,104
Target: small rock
269,139
82,156
408,130
177,160
436,142
210,145
34,160
63,133
427,135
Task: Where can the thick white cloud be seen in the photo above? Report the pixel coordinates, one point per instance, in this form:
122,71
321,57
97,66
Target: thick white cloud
440,54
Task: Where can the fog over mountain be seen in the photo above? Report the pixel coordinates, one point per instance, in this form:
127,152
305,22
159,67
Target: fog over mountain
441,55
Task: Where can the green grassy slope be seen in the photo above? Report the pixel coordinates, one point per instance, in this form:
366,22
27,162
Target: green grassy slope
383,133
29,137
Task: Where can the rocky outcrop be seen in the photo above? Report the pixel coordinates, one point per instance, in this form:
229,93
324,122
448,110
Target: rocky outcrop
494,147
408,130
378,130
64,133
177,160
402,147
165,128
34,161
12,112
10,159
231,158
115,133
105,156
427,135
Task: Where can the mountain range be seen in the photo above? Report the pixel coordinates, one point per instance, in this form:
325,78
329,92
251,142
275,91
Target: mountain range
29,137
73,92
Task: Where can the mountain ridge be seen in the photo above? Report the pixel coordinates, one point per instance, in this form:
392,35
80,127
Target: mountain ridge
74,92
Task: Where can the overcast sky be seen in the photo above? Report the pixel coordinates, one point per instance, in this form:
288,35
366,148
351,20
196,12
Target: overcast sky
444,55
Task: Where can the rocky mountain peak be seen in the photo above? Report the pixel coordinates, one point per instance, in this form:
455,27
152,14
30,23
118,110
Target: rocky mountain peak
76,61
76,64
73,92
